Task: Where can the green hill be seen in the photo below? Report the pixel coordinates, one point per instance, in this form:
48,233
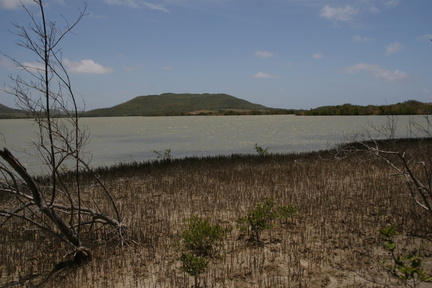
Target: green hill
177,104
6,112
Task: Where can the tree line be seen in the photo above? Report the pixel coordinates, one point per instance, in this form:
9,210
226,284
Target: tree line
410,107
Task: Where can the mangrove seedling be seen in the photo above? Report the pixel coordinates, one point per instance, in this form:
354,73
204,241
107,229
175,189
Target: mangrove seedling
405,267
199,242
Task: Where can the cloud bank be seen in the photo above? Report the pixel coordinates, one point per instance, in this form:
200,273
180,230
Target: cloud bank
358,38
137,4
378,72
86,66
317,56
393,48
338,13
264,75
264,54
13,4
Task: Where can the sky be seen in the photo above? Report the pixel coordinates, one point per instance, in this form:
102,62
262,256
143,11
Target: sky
298,54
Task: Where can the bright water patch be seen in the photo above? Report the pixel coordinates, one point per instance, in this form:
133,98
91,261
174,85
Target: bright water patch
125,139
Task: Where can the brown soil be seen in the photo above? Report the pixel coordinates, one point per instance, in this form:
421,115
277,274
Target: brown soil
332,242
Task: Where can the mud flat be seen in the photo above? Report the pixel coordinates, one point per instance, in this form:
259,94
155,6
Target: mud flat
333,241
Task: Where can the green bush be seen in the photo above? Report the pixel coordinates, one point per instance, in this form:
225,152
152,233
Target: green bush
201,237
257,219
193,265
285,212
405,267
262,216
261,151
199,242
163,155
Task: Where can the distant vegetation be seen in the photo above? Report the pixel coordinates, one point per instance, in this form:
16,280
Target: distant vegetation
410,107
170,104
7,113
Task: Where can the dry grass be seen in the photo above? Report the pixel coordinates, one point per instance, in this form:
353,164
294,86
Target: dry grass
332,242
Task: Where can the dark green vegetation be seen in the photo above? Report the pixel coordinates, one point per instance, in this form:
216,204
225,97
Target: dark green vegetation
169,104
410,107
8,113
261,218
200,243
406,267
333,240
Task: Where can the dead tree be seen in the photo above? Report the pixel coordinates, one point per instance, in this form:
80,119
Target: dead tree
410,158
56,205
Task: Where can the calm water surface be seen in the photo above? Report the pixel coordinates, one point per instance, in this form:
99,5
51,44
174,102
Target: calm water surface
124,139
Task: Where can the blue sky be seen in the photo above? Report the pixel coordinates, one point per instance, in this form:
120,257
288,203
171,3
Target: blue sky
279,53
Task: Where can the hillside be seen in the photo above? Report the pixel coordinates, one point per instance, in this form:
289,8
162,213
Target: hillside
176,104
6,112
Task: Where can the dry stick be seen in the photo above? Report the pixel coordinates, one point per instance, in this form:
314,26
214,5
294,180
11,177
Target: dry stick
419,187
39,199
107,193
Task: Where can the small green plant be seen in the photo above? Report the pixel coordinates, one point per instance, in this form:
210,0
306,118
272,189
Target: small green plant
407,267
261,218
261,151
285,212
199,242
194,265
257,219
163,155
201,237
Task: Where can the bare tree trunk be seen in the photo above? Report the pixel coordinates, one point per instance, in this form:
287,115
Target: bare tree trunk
39,199
60,141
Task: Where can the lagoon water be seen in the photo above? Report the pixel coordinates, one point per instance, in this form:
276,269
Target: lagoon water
125,139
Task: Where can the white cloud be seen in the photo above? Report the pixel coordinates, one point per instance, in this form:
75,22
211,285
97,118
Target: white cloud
393,48
317,56
264,75
358,38
338,13
264,54
8,64
13,4
155,7
29,66
137,4
128,3
378,72
33,66
392,3
425,37
86,66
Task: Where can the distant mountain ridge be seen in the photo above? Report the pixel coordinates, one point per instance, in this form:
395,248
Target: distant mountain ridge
176,104
6,112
